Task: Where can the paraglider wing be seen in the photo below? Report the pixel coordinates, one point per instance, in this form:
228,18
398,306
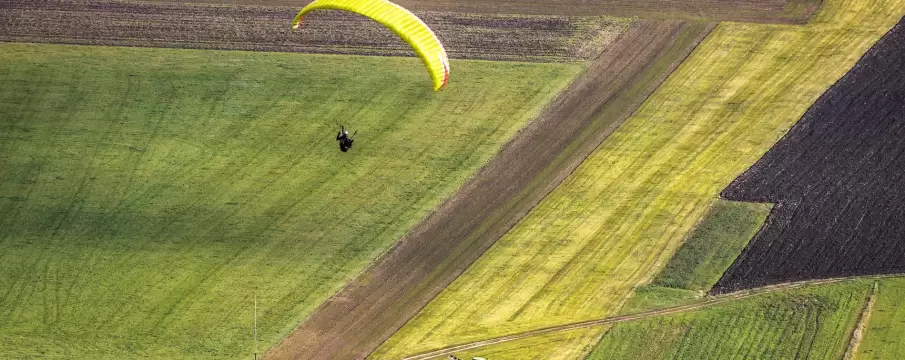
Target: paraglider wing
402,22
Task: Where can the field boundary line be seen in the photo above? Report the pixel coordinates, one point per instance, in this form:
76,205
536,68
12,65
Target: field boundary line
708,302
749,11
863,319
398,285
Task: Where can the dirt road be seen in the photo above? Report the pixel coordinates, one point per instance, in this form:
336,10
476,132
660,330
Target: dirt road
370,309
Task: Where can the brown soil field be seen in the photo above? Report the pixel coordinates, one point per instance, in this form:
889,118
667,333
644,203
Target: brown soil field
836,178
764,11
380,301
268,28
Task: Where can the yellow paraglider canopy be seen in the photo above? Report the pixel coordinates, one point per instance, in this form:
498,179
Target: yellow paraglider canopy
402,22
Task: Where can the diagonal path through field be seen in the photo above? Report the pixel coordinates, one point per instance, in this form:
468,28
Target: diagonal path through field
380,301
707,302
619,217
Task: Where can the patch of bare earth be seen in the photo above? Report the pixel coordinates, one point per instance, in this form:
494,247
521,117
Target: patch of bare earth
761,11
268,28
371,308
531,165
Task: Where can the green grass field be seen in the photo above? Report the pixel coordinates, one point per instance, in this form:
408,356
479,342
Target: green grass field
615,222
810,323
813,322
713,245
147,195
886,324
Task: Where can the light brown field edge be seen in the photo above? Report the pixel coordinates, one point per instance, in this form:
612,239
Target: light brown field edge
381,300
857,335
268,28
707,302
761,11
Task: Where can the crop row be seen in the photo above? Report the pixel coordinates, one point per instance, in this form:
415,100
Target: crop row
203,26
810,323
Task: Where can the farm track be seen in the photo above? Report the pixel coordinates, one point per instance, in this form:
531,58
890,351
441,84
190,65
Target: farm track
861,327
711,301
839,215
761,11
267,28
382,299
609,228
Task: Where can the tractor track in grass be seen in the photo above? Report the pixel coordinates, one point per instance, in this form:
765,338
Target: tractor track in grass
710,301
355,321
371,308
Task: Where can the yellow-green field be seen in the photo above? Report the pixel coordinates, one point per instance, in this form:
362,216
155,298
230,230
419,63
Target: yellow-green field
147,195
566,345
715,242
886,323
809,323
703,257
615,222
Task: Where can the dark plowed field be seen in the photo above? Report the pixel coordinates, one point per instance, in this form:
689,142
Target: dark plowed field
363,315
265,28
838,177
764,11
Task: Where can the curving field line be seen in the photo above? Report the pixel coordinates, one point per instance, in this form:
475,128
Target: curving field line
710,301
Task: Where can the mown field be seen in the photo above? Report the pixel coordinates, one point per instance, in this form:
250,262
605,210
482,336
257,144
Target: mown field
382,299
703,257
823,319
886,323
617,220
715,242
568,345
837,177
147,195
811,323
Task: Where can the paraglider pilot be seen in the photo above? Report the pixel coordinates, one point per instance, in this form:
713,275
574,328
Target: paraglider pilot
345,142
